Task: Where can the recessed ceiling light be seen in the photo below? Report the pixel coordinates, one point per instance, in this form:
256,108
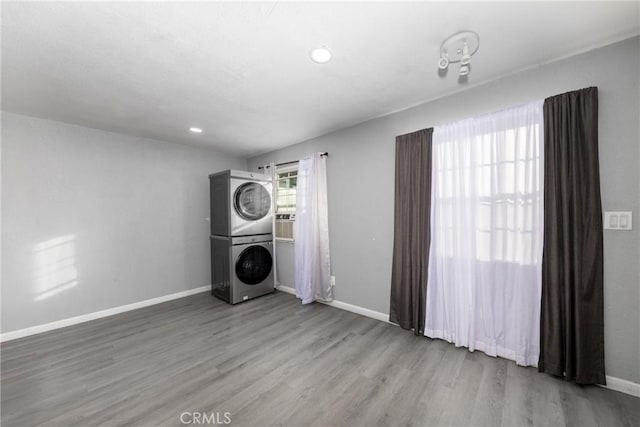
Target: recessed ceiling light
195,130
321,55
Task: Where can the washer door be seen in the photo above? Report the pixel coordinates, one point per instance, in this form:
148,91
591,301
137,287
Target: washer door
252,201
253,265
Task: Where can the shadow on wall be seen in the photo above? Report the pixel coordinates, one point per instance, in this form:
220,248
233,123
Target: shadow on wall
55,269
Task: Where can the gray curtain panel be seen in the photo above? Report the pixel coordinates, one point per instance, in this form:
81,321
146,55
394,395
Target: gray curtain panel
412,230
571,321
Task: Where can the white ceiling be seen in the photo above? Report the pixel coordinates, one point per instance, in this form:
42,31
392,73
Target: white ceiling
242,72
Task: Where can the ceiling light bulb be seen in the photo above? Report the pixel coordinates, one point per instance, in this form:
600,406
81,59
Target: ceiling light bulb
195,130
320,55
464,70
465,58
443,63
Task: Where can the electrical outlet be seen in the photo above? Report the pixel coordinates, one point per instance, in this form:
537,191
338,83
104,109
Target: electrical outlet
332,281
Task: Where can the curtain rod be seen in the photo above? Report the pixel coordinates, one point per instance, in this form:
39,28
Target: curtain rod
288,163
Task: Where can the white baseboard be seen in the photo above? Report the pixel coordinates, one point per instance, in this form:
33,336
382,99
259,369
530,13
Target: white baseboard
8,336
623,386
613,383
345,306
286,289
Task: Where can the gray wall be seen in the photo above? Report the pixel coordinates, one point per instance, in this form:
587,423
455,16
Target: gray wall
93,220
361,179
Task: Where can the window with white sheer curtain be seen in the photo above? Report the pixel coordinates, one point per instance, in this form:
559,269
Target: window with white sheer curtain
484,281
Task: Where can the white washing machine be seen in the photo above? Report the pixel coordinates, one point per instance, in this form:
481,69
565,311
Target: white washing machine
240,203
242,267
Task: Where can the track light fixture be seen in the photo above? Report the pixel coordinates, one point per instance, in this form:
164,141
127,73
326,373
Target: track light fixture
465,59
459,47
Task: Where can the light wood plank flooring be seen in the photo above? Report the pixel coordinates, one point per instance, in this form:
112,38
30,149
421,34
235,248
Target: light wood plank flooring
272,361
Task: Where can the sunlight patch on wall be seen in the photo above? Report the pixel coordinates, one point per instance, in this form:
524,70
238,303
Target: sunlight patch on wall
55,270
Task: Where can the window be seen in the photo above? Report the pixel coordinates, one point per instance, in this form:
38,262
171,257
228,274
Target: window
489,192
285,194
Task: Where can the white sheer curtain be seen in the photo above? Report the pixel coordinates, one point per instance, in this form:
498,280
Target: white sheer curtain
484,283
312,262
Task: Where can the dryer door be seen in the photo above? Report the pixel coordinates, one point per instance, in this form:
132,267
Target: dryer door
252,201
253,265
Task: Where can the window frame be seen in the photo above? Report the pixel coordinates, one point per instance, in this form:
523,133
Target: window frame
279,170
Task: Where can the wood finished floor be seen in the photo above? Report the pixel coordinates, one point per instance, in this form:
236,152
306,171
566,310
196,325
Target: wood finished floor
272,361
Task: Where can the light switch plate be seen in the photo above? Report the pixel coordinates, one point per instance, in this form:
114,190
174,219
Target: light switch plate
619,220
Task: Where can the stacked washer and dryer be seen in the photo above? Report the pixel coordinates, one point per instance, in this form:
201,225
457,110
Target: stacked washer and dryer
241,235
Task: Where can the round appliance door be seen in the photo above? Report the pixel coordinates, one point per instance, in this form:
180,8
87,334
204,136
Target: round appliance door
253,265
252,201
